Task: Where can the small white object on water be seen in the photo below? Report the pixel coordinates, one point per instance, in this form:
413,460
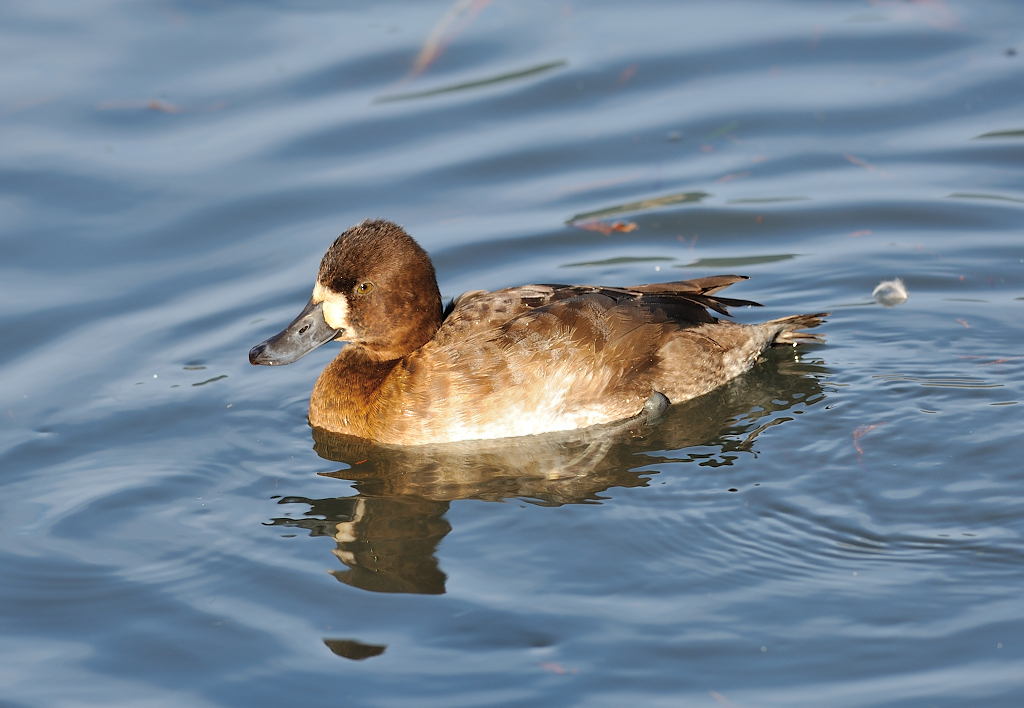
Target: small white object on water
890,293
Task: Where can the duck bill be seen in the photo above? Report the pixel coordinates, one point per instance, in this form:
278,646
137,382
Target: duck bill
306,332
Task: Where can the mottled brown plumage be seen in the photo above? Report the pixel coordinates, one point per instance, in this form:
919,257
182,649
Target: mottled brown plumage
518,361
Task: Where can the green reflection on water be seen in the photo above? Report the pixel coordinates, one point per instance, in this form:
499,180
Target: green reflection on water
737,261
965,195
724,130
643,205
617,261
1001,134
768,200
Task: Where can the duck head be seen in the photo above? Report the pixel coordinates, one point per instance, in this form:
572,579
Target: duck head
376,289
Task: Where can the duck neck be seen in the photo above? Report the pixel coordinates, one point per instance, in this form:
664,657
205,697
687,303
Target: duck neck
396,327
345,397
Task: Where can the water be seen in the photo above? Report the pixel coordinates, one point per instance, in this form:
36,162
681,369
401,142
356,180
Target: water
842,526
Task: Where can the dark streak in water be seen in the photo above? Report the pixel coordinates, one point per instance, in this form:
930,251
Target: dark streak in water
768,200
961,195
618,261
1001,134
215,378
644,205
866,303
473,84
940,382
738,261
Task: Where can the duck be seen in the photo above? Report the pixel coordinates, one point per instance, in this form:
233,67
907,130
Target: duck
514,362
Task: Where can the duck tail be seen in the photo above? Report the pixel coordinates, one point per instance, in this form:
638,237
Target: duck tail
786,331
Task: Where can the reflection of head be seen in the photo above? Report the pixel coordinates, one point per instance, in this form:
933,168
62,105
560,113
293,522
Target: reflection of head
353,649
387,544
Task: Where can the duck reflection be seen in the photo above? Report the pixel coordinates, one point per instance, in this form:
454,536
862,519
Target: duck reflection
387,543
388,533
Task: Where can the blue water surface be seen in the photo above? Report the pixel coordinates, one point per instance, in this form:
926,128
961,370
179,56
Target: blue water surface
841,526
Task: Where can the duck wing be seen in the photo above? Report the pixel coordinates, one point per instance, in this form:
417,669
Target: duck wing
481,313
620,327
688,301
685,302
547,357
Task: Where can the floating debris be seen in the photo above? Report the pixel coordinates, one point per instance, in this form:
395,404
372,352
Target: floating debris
159,106
865,164
606,227
890,293
627,74
456,19
860,432
554,667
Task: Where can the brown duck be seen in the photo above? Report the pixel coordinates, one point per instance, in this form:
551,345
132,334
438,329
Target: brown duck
518,361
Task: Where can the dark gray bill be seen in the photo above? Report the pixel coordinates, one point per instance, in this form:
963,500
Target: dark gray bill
306,332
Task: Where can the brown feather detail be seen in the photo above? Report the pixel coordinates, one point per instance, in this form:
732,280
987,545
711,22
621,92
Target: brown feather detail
704,286
687,301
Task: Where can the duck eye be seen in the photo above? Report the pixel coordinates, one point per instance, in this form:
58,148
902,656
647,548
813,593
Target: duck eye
364,288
